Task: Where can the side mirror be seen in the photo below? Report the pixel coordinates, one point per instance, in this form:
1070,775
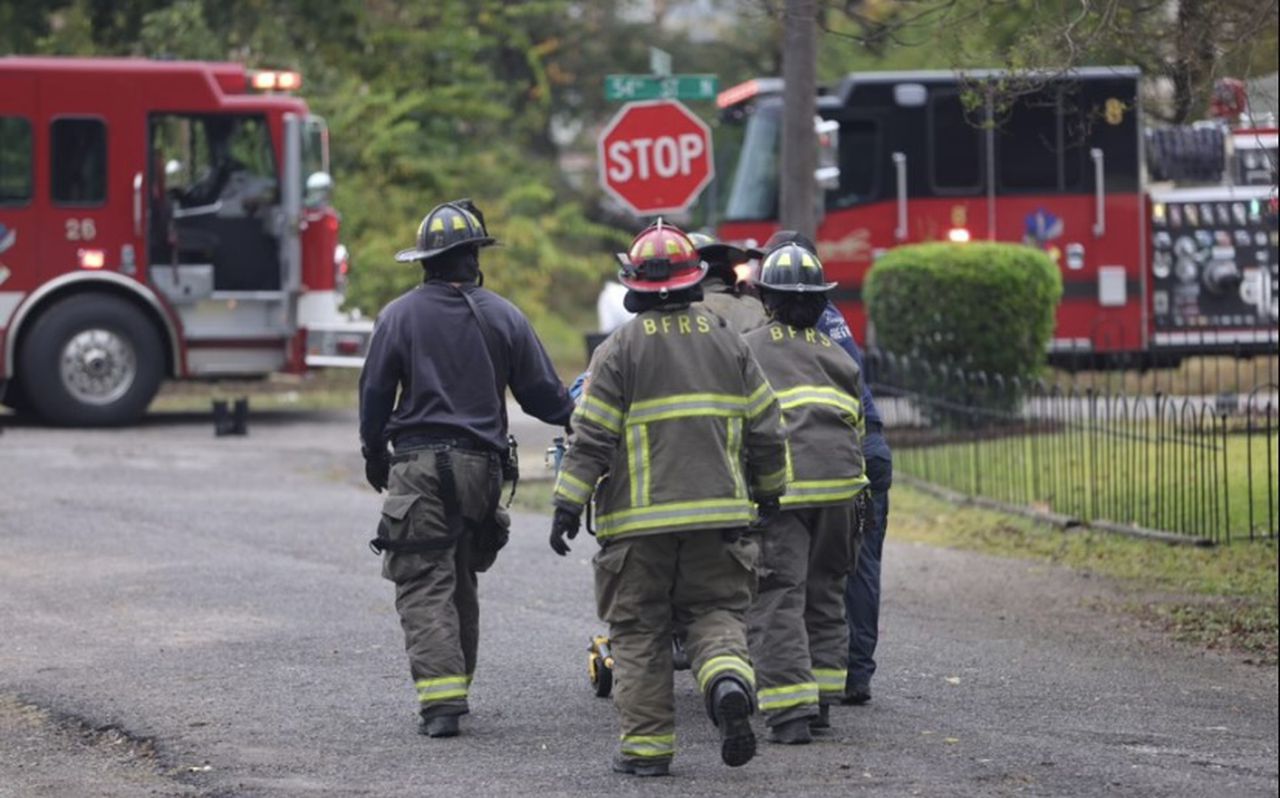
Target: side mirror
319,190
827,174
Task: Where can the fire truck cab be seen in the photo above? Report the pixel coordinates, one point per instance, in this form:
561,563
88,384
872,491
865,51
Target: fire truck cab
1150,271
161,219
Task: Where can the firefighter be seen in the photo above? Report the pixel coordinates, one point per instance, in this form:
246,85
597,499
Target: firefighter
723,293
798,635
450,349
686,432
862,594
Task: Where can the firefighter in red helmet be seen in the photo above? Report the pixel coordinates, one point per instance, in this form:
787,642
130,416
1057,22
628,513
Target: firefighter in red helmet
678,415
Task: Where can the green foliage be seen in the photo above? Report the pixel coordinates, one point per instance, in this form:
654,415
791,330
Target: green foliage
980,306
426,102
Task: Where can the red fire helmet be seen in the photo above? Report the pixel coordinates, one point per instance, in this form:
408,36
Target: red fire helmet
661,259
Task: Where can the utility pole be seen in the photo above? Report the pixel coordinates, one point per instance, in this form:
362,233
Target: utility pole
799,104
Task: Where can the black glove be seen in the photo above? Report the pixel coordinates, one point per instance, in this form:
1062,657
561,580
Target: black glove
377,468
766,511
565,523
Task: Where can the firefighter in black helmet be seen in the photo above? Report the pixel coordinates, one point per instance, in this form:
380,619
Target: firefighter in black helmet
434,388
862,598
723,293
799,640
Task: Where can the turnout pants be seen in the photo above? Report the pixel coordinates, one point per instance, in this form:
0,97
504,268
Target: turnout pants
694,579
799,638
436,588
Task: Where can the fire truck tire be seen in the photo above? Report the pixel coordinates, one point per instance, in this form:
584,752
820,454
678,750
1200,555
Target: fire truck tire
91,360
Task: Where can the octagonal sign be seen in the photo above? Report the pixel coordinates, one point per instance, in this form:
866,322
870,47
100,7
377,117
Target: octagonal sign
655,157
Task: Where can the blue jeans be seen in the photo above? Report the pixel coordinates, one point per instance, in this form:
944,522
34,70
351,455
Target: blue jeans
862,592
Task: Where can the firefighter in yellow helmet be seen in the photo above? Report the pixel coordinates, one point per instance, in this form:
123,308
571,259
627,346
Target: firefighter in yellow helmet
686,428
799,638
723,293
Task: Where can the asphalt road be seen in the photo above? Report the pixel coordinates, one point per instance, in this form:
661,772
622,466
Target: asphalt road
181,614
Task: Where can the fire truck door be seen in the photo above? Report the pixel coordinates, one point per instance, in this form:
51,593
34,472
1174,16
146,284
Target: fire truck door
18,232
214,236
86,178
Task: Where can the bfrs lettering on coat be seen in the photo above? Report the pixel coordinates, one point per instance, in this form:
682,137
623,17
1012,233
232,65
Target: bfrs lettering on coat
780,333
681,325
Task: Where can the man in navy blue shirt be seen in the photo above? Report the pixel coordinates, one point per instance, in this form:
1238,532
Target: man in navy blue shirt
862,592
434,387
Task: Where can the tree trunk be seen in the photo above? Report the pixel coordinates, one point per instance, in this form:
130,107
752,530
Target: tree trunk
1193,63
799,147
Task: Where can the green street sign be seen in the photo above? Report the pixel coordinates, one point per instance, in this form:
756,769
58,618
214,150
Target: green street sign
624,88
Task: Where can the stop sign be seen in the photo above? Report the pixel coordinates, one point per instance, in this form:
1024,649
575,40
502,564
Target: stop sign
655,157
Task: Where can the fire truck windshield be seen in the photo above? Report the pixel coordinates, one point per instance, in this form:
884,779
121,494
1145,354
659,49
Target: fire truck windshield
753,188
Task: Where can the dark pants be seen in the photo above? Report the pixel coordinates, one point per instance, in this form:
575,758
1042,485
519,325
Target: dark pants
862,592
436,589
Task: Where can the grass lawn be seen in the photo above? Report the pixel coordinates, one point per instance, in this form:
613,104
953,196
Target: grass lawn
1170,483
1223,597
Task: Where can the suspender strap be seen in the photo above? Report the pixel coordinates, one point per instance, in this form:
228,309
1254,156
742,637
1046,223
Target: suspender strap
495,357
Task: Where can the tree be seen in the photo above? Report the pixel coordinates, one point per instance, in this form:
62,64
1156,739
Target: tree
1187,44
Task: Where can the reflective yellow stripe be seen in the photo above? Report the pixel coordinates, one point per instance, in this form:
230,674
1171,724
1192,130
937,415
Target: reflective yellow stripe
709,512
759,400
601,412
442,688
830,680
588,414
733,453
652,745
785,697
638,445
680,398
824,490
718,665
819,394
686,405
572,488
772,482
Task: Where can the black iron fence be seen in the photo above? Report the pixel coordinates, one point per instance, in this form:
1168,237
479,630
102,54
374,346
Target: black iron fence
1115,450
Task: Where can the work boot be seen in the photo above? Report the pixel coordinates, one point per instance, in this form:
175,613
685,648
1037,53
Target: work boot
732,712
821,721
791,732
439,726
640,767
857,694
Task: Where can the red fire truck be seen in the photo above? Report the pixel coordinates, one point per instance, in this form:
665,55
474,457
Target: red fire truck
161,219
1151,270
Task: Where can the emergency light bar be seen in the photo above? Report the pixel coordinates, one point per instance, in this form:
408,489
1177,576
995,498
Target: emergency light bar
275,80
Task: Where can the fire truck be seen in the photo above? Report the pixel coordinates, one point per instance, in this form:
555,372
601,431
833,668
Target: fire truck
1158,261
161,219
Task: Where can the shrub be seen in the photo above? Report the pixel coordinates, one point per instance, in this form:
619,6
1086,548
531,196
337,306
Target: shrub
979,306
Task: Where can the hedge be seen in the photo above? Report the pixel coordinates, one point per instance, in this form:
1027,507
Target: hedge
977,306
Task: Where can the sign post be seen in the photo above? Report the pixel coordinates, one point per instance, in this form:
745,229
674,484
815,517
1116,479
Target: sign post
655,157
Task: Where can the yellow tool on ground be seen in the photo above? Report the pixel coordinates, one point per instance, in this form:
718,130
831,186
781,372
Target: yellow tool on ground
600,666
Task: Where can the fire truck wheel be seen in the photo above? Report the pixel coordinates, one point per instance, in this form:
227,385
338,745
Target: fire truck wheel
91,360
